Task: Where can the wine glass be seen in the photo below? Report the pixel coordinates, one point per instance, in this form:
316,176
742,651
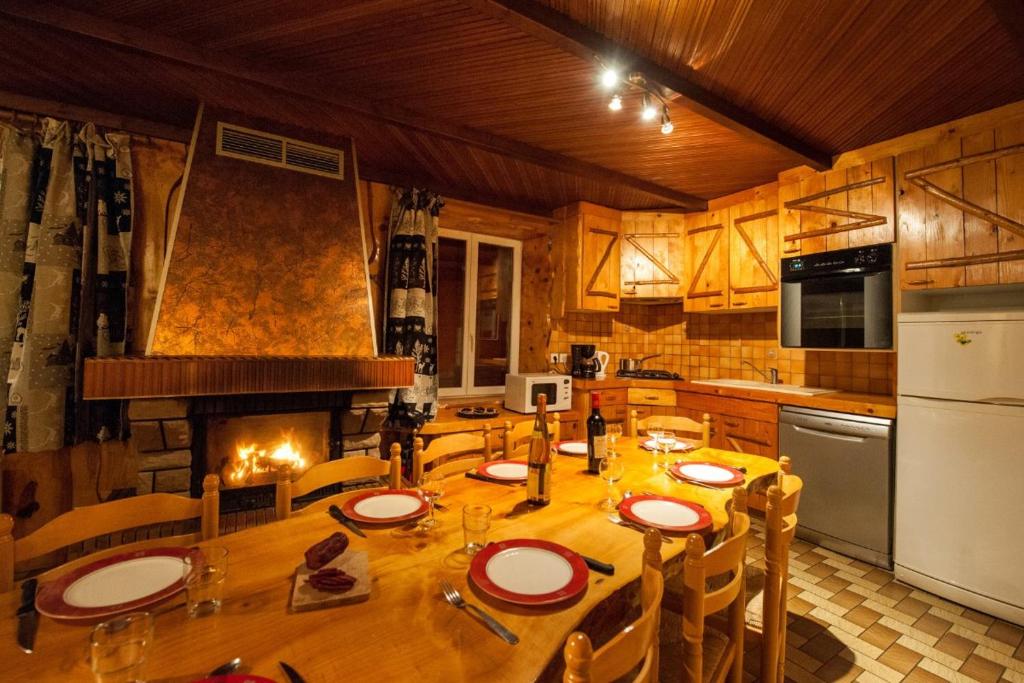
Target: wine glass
613,432
611,470
666,442
431,486
654,430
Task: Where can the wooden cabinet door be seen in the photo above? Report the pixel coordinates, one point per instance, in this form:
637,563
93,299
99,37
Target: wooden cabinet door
706,259
849,207
961,211
746,435
599,263
754,253
652,255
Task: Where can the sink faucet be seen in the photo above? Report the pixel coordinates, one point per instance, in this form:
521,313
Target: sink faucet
772,377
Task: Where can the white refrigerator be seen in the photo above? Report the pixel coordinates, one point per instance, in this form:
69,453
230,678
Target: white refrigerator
960,458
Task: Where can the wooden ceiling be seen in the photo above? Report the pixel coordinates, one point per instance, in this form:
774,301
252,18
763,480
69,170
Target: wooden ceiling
498,100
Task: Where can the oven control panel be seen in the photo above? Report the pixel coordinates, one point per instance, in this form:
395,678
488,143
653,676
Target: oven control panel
859,259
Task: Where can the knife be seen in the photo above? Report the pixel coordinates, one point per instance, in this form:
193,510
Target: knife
28,617
291,673
335,511
599,566
480,477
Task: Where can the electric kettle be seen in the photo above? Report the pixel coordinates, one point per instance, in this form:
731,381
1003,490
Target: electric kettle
602,362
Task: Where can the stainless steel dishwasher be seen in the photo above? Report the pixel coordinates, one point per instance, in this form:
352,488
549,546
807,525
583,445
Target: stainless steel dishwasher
846,463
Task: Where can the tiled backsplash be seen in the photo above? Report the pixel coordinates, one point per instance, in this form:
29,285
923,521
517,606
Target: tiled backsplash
701,346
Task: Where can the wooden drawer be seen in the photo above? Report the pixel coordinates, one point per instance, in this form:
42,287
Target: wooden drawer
615,413
651,397
757,410
613,397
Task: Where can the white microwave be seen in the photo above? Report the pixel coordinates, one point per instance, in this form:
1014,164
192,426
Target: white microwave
521,391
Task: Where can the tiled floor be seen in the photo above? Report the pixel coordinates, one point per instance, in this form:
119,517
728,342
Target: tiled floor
849,621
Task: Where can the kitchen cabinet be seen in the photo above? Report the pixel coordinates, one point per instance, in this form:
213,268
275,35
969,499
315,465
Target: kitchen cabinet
706,260
613,406
961,211
651,268
754,250
586,251
849,207
736,424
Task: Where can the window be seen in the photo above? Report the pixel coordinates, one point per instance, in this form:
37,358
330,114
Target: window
478,312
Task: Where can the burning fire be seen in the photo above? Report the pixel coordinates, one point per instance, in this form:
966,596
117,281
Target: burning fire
251,461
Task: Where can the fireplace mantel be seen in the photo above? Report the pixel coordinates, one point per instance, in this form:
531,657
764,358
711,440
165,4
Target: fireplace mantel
174,376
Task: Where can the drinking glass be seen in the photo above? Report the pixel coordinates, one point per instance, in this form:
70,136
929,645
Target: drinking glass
205,575
611,470
476,520
653,432
666,442
117,648
614,432
431,487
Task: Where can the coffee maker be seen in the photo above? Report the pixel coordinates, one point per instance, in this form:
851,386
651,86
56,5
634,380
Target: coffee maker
584,363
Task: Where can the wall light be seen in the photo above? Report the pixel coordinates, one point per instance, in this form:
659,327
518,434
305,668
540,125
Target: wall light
666,122
616,103
648,112
609,78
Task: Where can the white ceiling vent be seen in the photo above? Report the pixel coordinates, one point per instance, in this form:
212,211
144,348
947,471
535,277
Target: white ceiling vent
276,150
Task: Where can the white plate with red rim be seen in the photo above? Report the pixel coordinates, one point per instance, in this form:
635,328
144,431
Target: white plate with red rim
504,470
665,513
529,571
679,447
707,473
385,506
573,448
114,585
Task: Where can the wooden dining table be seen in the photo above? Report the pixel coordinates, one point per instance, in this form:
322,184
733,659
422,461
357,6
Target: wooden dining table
405,631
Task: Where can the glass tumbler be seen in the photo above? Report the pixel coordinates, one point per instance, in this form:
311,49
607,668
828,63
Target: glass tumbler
117,648
205,575
476,520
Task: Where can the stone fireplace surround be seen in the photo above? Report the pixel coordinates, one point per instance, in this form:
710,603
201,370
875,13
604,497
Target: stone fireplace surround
172,459
171,398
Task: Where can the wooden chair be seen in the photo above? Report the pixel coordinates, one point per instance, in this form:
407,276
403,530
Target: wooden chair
676,423
335,472
710,654
516,438
91,521
767,591
636,644
451,454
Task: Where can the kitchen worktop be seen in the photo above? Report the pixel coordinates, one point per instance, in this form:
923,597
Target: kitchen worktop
447,422
877,405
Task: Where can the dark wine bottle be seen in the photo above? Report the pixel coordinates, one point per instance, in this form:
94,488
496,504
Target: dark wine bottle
538,473
596,445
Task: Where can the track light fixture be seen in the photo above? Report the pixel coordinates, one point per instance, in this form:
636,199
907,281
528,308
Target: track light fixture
652,95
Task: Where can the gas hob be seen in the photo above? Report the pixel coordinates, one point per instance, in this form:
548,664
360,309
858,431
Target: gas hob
647,374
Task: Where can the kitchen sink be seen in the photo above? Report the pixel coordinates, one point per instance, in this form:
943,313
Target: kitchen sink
764,386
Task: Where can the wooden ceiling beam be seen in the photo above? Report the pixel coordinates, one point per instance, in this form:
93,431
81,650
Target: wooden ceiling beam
557,29
121,35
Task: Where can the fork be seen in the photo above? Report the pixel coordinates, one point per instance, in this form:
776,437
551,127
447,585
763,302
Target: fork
615,519
455,599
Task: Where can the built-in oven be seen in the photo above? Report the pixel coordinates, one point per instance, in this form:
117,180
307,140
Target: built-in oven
838,299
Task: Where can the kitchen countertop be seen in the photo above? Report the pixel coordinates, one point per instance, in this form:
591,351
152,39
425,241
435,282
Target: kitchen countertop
876,405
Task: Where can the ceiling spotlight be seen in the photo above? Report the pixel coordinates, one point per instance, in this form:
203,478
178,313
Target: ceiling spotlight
609,78
666,122
616,103
648,112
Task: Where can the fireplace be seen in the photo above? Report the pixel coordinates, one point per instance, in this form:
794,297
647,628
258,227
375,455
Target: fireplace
250,450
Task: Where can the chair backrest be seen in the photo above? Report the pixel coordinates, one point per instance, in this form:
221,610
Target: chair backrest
676,423
726,560
451,454
516,438
334,472
637,643
780,527
91,521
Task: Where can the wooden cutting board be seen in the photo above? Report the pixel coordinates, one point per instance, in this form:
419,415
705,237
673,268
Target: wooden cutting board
354,563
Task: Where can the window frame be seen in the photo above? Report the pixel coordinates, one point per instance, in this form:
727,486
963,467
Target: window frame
467,386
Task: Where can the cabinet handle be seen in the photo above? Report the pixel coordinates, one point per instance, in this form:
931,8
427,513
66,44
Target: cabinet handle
739,303
715,306
650,398
920,282
732,424
791,250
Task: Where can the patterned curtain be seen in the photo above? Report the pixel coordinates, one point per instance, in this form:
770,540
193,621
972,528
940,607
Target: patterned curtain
412,301
65,211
